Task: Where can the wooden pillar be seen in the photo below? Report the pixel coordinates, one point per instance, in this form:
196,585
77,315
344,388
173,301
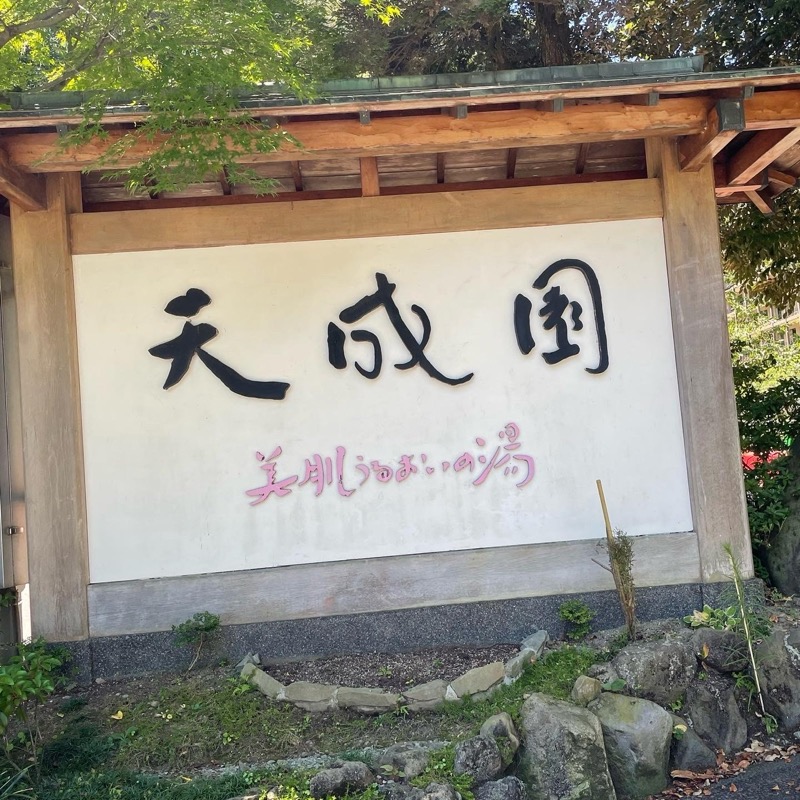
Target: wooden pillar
52,439
702,352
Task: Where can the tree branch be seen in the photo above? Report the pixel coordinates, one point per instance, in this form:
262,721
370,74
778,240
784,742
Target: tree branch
47,19
90,58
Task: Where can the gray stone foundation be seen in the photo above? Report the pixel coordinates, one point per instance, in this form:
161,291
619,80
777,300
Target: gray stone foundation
463,624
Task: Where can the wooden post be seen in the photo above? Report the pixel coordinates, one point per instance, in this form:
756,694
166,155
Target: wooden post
702,352
52,438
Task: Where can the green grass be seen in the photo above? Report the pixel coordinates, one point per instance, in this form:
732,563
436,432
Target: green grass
128,786
554,675
204,719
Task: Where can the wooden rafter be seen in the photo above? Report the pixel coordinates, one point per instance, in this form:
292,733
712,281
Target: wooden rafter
762,201
760,152
26,191
370,179
297,175
725,121
511,163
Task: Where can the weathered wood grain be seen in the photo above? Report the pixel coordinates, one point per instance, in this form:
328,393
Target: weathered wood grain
52,439
313,220
702,352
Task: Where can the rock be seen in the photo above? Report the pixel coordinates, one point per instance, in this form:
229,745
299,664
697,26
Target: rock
500,727
351,775
479,680
425,695
711,706
688,751
265,684
250,658
563,756
310,696
366,701
536,642
637,735
516,664
782,557
406,758
659,671
256,796
780,679
478,757
450,694
585,690
724,651
400,791
508,788
440,791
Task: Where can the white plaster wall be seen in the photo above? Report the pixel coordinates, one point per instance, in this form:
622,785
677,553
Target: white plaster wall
167,471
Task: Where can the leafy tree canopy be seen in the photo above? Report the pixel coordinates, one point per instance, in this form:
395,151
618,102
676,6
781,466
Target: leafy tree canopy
187,59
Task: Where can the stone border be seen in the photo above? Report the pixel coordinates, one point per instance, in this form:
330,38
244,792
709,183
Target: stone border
477,683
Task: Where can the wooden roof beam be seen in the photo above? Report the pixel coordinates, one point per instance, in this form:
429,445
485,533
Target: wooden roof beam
780,180
370,179
760,152
431,133
725,121
25,190
762,201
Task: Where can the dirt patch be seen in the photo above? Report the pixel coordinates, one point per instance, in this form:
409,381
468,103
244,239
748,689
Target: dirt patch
391,671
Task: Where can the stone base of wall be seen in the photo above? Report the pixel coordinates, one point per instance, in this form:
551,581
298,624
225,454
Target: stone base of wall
462,624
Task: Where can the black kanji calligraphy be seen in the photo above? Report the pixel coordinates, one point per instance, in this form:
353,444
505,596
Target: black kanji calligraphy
562,315
189,343
383,298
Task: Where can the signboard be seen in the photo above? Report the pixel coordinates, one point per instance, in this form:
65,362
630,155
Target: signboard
268,405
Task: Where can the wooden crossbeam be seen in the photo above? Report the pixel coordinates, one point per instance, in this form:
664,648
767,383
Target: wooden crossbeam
402,135
580,159
724,188
782,180
762,201
725,121
26,191
760,152
766,110
370,179
511,163
297,175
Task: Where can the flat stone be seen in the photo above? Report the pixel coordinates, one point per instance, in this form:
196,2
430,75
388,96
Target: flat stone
585,690
366,701
536,642
310,696
425,695
516,664
250,658
265,683
479,679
